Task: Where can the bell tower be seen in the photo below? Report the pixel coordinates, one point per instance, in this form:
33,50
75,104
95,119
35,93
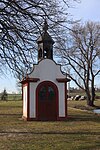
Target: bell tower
45,44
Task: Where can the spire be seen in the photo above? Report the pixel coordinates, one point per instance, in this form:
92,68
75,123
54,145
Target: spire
45,44
45,26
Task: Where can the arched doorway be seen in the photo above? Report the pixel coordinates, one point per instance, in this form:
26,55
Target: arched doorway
47,101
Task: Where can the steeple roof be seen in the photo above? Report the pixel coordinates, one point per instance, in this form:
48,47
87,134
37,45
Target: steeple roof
45,37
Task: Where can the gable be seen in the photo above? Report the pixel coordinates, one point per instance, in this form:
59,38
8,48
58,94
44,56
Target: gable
47,69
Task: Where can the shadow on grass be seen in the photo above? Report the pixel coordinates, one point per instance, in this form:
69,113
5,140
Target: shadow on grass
93,118
70,118
11,106
51,132
11,114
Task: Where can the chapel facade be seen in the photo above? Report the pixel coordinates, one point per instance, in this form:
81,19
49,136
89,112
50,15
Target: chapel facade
44,90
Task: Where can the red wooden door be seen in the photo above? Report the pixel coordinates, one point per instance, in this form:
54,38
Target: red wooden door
47,97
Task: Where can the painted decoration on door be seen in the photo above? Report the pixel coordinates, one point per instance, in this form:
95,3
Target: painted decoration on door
47,101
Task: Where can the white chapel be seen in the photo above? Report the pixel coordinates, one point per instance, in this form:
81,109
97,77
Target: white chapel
44,90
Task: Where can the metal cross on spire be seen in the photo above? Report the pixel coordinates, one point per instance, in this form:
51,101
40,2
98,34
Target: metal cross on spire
45,26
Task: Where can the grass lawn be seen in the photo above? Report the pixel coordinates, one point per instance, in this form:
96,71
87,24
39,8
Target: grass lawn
80,132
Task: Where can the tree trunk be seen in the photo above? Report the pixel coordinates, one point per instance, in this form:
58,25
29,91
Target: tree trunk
88,98
90,103
92,91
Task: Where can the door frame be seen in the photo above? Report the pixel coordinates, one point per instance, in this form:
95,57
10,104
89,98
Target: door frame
56,93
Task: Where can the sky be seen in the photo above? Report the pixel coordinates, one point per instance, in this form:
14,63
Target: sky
86,10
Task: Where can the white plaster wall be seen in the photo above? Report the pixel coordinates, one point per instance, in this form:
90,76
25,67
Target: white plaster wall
33,100
61,104
47,70
25,101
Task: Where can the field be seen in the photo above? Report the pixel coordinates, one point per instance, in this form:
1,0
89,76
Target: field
79,92
80,132
13,97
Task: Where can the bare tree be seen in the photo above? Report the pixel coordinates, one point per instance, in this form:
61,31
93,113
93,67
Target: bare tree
4,95
20,23
82,54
